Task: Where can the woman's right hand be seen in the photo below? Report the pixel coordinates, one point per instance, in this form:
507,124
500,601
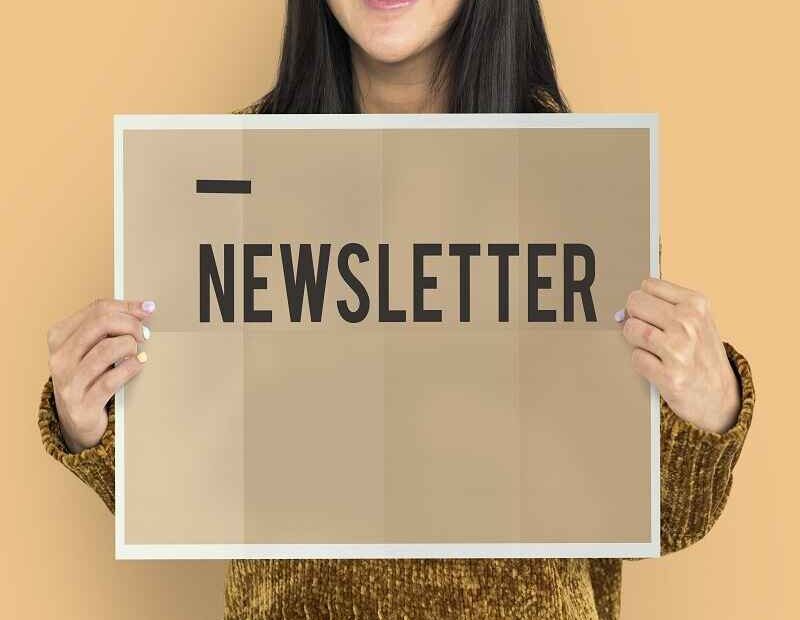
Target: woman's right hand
83,350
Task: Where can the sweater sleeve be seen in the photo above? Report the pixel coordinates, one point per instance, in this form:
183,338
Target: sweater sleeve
94,466
697,466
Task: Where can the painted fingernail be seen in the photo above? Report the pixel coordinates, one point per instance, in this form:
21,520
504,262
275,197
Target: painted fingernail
619,315
142,357
146,332
148,306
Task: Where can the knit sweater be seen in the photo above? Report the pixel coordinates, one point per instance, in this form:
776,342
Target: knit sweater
696,475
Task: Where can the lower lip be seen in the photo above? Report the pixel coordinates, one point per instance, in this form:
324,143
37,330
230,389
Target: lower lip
389,5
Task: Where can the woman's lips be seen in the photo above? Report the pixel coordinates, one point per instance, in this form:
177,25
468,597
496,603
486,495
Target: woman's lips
388,5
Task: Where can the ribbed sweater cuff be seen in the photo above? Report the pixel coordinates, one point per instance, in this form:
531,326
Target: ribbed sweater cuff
94,466
697,466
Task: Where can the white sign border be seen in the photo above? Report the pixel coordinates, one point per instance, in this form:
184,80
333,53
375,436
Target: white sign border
125,551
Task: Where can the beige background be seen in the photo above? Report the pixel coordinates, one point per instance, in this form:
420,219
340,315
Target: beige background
720,73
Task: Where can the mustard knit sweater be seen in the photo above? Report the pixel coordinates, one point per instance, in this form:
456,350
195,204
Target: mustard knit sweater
696,478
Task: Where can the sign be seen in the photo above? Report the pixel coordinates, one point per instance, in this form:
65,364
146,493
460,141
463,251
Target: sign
386,336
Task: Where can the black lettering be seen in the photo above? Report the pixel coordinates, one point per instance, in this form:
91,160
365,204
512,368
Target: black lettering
423,282
385,314
583,286
251,283
305,280
537,283
360,313
464,251
208,275
502,251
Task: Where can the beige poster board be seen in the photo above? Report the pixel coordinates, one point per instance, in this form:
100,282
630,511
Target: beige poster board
386,336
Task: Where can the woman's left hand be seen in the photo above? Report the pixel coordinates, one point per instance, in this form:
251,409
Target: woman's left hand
678,349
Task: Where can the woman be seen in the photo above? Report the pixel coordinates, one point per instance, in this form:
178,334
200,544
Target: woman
375,56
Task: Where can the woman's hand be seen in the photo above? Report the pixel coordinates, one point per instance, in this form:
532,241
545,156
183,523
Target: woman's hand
83,350
677,348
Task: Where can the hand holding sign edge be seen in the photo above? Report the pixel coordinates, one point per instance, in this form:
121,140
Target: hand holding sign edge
677,348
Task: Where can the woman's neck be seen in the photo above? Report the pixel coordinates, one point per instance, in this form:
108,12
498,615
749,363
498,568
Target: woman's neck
397,88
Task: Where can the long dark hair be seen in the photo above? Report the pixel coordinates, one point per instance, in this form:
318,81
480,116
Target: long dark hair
497,59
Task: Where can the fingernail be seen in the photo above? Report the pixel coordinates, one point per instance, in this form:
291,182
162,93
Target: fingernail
142,357
148,306
146,332
619,315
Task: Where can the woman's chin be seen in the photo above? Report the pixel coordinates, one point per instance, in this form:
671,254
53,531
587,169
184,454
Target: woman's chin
391,51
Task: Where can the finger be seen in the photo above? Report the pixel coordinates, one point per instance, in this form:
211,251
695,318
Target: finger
666,291
104,354
113,379
95,329
62,330
645,336
648,366
650,309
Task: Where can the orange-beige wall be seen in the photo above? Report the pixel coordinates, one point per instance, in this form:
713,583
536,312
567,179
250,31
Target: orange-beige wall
722,76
